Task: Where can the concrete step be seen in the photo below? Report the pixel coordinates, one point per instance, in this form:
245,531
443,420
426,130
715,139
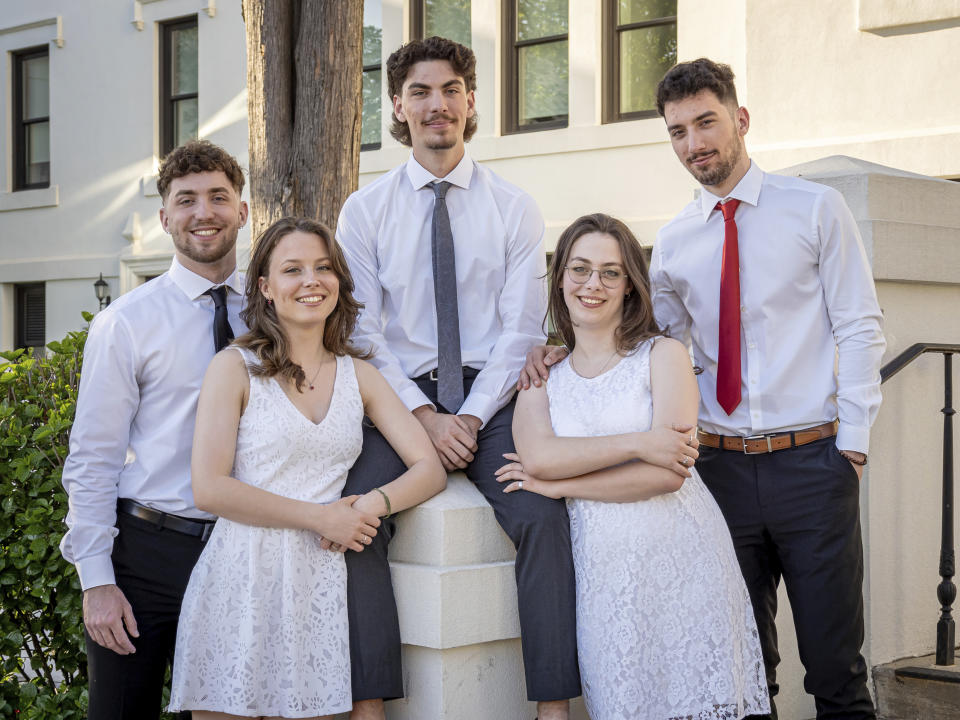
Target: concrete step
917,689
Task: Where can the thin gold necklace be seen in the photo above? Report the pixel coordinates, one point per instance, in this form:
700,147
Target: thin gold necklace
599,372
316,374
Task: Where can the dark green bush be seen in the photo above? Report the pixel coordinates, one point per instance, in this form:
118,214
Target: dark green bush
41,636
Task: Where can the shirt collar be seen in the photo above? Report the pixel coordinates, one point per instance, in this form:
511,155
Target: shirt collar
460,176
193,285
746,191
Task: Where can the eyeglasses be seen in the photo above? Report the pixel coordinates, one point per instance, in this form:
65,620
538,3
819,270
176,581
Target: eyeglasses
609,277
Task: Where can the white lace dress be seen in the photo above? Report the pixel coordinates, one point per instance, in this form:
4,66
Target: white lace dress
263,627
665,628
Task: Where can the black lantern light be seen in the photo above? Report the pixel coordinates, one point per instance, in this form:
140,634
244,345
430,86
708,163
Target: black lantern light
101,288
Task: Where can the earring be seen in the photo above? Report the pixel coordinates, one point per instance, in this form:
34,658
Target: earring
269,302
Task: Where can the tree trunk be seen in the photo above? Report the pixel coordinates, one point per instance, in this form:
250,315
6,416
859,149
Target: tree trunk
304,106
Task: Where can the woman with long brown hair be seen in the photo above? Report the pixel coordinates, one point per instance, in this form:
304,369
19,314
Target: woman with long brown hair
665,628
263,626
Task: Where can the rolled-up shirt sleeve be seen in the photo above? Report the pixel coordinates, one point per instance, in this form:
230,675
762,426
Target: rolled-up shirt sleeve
855,318
521,307
107,402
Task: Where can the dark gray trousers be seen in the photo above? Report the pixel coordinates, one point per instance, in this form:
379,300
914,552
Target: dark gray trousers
540,530
152,567
795,514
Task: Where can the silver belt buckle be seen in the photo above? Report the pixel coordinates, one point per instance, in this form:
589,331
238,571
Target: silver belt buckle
757,437
433,374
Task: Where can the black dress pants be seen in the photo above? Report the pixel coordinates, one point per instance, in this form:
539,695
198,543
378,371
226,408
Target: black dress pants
540,530
152,568
795,514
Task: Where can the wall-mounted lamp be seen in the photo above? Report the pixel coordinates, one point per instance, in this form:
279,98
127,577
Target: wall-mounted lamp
101,288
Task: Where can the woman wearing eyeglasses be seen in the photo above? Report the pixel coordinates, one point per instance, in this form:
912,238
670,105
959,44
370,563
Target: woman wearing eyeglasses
665,628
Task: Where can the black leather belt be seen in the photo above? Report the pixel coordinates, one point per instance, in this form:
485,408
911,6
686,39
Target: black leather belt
468,372
166,521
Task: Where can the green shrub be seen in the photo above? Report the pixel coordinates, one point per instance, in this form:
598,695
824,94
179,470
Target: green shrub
41,635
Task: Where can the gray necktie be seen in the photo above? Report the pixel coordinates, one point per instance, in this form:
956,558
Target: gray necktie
449,368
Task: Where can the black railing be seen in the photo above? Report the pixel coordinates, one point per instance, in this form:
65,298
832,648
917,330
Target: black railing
946,590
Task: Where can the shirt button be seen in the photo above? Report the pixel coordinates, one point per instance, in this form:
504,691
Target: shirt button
743,308
752,346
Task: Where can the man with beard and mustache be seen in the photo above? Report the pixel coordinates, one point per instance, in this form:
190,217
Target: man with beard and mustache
134,531
449,263
765,276
784,436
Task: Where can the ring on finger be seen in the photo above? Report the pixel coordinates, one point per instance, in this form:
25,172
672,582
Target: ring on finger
520,485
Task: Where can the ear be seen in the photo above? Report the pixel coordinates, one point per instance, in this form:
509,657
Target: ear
471,104
398,109
262,285
244,211
163,219
742,119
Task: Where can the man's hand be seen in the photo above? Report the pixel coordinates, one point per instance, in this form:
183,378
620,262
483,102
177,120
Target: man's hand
537,367
453,436
859,456
105,613
673,448
343,527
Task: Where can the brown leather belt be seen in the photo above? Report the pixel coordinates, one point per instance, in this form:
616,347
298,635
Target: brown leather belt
756,444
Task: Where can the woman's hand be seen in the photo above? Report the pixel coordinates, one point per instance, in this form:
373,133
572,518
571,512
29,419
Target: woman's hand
345,527
673,448
514,474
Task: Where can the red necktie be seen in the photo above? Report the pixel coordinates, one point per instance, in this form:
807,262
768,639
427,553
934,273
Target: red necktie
728,360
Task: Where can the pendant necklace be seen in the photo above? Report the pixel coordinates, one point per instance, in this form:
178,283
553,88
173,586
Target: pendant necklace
599,372
316,375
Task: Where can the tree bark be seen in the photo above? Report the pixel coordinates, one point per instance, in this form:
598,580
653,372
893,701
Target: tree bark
304,103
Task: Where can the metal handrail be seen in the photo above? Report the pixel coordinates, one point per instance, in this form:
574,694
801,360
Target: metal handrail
946,590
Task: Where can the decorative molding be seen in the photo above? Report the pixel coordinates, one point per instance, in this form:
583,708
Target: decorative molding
133,269
148,184
132,231
29,199
137,20
211,8
56,21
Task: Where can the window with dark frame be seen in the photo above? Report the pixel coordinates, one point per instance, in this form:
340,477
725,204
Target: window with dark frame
447,18
536,65
640,45
372,112
31,119
178,83
30,326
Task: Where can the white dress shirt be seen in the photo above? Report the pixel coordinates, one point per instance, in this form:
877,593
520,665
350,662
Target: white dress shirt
143,365
384,230
806,293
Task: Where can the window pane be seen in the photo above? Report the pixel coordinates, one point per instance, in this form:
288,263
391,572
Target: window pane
372,24
184,121
183,60
370,127
38,153
447,18
541,18
632,11
543,80
645,55
36,87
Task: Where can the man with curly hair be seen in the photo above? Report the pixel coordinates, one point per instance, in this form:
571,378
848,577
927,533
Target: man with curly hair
449,262
134,530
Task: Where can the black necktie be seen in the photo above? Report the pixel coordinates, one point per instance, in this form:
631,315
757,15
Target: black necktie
449,368
222,332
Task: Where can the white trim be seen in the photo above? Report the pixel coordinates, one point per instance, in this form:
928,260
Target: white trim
133,270
28,199
56,21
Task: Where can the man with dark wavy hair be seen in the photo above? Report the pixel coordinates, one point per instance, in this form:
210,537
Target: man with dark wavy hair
784,435
449,262
134,531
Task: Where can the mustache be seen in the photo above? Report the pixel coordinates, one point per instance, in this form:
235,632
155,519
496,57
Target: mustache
439,116
697,156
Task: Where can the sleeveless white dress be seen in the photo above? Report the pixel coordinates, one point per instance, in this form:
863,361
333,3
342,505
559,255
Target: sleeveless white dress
665,628
263,627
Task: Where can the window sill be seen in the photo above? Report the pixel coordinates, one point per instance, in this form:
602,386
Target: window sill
29,199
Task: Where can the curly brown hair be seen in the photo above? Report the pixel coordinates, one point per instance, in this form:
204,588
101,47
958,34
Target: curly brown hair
196,156
461,59
266,338
688,78
638,322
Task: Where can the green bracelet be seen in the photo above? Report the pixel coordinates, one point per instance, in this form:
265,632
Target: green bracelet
386,501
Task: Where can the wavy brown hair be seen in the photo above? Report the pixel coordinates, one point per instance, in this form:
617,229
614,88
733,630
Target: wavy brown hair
638,322
266,338
461,59
197,156
686,79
